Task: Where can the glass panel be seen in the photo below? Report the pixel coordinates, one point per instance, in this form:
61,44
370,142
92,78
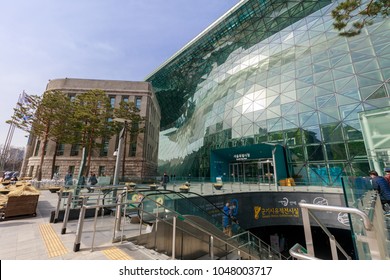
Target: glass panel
356,149
308,119
318,175
336,171
353,130
311,134
293,137
336,151
332,132
297,154
299,173
315,153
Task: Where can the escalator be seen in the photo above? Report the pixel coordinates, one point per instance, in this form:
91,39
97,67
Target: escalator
195,224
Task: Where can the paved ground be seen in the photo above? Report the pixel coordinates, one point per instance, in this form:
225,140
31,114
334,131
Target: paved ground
35,238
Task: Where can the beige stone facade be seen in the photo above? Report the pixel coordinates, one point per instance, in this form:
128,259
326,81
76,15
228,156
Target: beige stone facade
141,159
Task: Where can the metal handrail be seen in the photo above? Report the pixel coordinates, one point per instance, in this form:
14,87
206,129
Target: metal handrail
192,223
259,241
296,251
84,207
270,249
299,252
364,216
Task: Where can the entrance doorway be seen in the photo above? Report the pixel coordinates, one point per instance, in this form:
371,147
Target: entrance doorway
254,171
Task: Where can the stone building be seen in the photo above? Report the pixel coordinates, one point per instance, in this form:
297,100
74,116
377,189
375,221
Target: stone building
141,155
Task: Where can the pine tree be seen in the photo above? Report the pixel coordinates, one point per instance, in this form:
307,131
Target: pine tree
351,16
44,117
93,114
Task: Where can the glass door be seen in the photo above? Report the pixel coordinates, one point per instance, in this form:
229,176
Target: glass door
251,172
266,171
236,172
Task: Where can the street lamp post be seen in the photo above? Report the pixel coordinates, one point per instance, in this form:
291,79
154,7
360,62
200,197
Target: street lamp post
120,150
118,157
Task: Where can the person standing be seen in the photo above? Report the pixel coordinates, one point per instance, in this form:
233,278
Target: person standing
68,179
387,176
380,184
165,180
227,219
93,181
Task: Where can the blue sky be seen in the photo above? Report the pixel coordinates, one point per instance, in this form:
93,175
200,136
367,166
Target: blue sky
93,39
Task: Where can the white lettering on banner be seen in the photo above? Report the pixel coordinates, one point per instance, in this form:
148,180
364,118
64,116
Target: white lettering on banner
243,156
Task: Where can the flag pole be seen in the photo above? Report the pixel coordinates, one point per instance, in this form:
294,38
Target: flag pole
8,140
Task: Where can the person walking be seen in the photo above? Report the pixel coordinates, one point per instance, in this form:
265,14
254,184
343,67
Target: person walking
165,180
68,179
227,219
92,181
380,184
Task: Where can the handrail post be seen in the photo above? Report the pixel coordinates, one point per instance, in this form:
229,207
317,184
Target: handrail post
118,213
142,219
94,222
67,211
307,230
174,238
211,247
76,246
333,248
59,193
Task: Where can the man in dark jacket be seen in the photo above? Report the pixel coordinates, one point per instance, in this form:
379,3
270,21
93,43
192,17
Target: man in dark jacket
380,184
165,180
387,176
93,181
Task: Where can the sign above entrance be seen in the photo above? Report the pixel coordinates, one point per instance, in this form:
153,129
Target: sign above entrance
244,156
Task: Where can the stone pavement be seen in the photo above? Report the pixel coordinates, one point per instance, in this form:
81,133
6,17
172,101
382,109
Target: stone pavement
35,238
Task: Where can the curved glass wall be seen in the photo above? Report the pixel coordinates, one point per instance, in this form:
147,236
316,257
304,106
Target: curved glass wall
274,72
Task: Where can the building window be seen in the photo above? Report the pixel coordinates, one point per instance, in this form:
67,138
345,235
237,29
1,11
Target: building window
125,99
104,149
102,171
30,171
133,149
138,102
71,169
37,148
56,171
60,149
72,97
74,150
112,101
36,171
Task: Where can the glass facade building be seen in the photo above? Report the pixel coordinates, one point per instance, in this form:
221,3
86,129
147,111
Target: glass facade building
273,81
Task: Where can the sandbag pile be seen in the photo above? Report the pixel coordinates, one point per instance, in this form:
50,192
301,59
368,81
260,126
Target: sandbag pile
3,200
18,189
21,188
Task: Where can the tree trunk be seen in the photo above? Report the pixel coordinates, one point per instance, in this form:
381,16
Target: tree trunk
54,160
90,141
39,177
124,155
